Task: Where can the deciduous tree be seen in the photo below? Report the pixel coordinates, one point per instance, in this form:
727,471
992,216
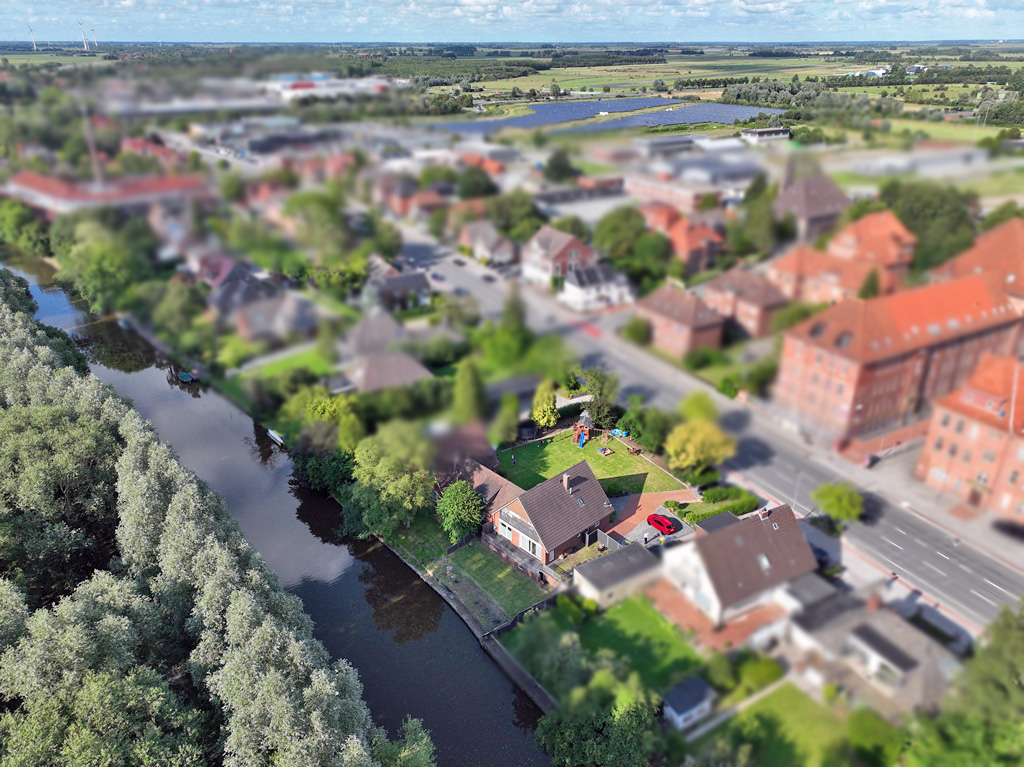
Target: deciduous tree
698,443
460,510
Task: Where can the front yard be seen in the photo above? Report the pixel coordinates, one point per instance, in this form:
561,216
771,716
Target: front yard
787,728
619,473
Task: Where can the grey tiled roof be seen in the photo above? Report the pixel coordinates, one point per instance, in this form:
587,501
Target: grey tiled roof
559,515
614,568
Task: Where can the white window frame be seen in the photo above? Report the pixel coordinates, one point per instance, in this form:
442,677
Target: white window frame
525,542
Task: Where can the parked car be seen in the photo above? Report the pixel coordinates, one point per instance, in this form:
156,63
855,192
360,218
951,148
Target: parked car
488,278
661,523
437,277
820,556
459,261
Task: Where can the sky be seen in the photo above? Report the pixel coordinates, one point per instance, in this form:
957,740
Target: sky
508,20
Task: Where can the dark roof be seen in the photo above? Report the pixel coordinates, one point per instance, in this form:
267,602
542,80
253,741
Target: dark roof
375,334
585,419
764,550
812,197
557,514
494,490
681,306
402,283
599,274
748,286
467,442
820,614
884,648
612,569
718,522
810,589
238,288
689,694
387,371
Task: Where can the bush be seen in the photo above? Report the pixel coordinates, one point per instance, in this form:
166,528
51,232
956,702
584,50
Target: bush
830,693
589,606
720,673
724,493
728,387
744,505
571,410
875,742
637,330
698,359
757,673
699,477
569,609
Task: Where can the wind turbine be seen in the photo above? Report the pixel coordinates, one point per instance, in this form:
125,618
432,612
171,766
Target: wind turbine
85,43
94,43
31,33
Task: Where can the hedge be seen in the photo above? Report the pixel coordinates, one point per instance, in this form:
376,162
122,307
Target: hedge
724,493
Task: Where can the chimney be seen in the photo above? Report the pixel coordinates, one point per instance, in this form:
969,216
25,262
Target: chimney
764,513
873,603
565,484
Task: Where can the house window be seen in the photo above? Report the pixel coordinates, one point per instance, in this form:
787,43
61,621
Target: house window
959,426
505,531
1014,476
945,420
988,457
529,545
938,444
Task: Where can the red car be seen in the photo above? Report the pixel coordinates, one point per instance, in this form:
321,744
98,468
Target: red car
661,523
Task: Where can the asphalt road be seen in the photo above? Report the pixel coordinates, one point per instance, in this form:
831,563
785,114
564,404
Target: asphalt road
966,583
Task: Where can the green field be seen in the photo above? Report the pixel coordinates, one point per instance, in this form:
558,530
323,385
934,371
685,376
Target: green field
310,359
619,473
787,728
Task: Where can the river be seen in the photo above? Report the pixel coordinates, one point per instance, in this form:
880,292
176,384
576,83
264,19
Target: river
413,653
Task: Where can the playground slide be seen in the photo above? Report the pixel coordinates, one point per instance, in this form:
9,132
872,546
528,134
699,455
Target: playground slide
583,437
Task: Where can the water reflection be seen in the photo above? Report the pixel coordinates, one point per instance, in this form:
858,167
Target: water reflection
403,605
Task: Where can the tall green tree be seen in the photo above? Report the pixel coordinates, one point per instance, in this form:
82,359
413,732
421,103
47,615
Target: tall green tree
460,510
871,287
603,387
544,412
102,266
506,422
617,232
698,405
475,182
840,500
573,225
469,400
698,443
559,167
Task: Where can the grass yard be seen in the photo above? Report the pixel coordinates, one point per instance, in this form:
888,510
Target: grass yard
424,541
311,359
619,473
512,590
632,629
788,728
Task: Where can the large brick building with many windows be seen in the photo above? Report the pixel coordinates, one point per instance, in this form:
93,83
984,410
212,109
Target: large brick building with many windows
867,365
975,443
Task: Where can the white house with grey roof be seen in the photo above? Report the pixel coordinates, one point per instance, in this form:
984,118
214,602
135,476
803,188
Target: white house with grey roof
595,287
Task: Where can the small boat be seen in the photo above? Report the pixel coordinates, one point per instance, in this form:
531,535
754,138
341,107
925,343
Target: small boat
124,323
276,437
185,377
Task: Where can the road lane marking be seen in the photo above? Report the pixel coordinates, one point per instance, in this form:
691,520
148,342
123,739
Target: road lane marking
933,567
900,531
892,563
982,596
997,586
894,544
941,555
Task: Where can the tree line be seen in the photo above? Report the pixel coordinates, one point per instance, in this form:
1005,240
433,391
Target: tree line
138,626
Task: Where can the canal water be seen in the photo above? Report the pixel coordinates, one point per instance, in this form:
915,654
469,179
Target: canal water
413,653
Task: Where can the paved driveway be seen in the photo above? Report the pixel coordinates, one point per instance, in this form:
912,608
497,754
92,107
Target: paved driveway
632,512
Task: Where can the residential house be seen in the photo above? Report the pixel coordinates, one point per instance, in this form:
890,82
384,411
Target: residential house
494,490
689,702
811,276
869,652
557,516
741,566
376,332
815,203
551,253
425,202
746,298
236,288
395,290
614,576
972,450
864,365
455,446
279,318
463,211
696,244
485,243
680,321
658,216
595,287
389,370
145,147
877,238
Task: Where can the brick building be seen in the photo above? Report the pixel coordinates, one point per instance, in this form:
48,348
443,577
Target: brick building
971,449
999,250
695,243
815,204
879,239
862,365
747,298
551,253
680,321
809,275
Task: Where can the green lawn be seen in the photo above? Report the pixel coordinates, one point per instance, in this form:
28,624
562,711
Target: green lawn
311,359
788,728
423,541
633,629
512,590
619,473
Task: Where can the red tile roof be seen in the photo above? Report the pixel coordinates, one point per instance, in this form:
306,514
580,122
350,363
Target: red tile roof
999,250
805,262
688,236
680,306
884,327
988,392
123,190
880,238
658,216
